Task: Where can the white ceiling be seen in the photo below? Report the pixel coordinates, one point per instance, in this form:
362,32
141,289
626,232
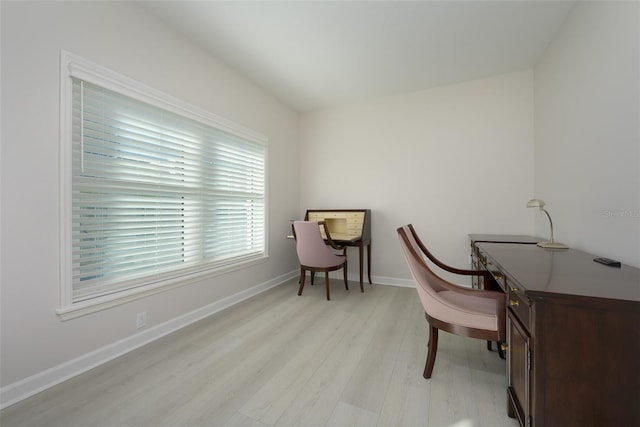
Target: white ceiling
312,54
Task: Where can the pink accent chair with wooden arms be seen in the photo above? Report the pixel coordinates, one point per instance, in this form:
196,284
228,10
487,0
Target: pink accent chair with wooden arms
474,313
486,276
314,254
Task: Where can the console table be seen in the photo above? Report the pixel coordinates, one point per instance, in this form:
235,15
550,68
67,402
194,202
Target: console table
573,335
347,227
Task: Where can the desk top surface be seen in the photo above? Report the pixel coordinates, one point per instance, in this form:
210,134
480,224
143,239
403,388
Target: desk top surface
570,272
504,238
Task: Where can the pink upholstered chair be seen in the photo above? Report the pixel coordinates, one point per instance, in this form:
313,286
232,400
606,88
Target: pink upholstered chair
314,254
475,313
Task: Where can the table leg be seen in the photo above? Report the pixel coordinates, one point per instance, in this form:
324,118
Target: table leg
369,262
360,254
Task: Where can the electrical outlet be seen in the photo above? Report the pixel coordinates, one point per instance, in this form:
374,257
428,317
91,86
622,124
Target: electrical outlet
141,319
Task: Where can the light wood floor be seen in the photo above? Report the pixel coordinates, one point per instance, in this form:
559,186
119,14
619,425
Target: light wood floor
283,360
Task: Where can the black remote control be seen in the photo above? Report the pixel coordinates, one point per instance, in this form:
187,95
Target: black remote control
609,262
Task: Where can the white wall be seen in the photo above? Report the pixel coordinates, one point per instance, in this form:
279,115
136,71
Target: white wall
452,160
587,141
126,39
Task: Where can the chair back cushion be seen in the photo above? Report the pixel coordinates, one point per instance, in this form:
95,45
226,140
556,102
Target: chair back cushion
311,248
424,279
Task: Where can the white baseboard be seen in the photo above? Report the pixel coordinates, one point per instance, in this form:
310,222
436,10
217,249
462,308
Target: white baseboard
377,280
27,387
392,281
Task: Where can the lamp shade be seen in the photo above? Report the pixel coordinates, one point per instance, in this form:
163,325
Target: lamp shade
535,203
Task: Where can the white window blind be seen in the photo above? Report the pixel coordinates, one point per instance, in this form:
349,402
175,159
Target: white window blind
157,195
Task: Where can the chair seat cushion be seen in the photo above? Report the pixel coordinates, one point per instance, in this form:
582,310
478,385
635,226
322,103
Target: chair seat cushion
466,310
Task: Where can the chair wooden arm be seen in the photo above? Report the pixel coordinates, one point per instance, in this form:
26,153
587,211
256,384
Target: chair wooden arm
482,293
486,276
330,240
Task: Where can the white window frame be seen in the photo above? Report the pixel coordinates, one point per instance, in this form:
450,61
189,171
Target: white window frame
73,66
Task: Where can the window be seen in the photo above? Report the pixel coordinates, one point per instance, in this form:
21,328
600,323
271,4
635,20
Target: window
154,191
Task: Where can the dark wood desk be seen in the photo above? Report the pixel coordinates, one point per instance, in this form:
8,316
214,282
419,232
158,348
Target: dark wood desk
348,227
573,336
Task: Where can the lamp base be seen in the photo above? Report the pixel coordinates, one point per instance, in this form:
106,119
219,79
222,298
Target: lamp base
552,245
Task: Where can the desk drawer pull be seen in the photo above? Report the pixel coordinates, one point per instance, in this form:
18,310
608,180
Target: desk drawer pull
498,276
513,288
513,302
504,347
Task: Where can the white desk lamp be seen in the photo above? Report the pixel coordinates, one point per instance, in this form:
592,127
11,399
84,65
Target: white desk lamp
537,203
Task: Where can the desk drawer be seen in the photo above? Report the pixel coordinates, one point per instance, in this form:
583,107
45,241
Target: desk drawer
315,216
354,223
486,264
519,304
319,216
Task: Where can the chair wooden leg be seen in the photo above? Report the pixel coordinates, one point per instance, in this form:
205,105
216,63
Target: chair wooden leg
499,346
346,283
313,275
431,356
302,276
326,281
